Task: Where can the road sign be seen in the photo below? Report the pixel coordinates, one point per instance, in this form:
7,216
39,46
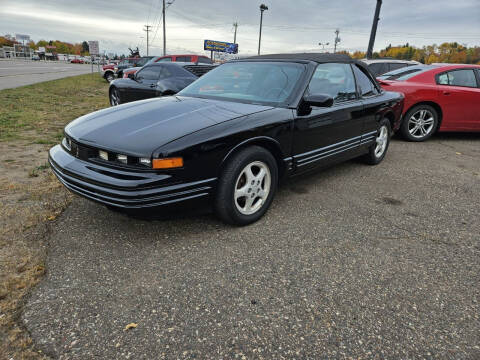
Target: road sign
220,46
93,48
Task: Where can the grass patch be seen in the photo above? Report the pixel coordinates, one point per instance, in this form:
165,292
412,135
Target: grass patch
39,112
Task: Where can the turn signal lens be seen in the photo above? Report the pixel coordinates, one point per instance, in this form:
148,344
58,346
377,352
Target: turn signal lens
167,163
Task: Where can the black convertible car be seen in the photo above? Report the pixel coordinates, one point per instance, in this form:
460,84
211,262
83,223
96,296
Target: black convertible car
155,79
230,136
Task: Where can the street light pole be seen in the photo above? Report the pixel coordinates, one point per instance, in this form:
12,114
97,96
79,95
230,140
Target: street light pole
323,45
235,25
263,7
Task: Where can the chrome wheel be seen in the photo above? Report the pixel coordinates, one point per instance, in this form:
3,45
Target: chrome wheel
382,141
421,124
114,97
252,187
110,77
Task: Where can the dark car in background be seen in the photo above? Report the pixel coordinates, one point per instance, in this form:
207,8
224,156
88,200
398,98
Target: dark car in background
230,135
155,79
197,59
130,62
381,66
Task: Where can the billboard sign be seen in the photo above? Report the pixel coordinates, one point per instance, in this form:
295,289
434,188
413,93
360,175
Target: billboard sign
220,46
21,37
93,48
41,49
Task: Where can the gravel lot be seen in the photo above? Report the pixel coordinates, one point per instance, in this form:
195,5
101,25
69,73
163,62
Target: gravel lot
355,261
15,73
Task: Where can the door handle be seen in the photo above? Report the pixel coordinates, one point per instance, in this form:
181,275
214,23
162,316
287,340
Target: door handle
446,93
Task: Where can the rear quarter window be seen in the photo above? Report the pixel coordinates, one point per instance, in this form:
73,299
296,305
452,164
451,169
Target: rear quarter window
459,77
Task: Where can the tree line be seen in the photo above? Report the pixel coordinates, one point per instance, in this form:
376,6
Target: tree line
444,53
61,47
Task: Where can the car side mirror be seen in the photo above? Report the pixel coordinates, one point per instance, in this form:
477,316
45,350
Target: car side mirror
168,92
131,76
320,100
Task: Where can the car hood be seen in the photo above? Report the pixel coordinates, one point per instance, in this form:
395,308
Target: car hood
138,128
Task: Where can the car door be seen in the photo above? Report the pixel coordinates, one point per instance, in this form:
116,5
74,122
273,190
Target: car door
459,98
372,100
325,135
146,79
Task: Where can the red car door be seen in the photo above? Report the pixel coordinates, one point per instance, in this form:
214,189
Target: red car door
460,100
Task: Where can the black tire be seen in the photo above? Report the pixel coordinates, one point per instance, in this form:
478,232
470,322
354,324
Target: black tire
408,125
114,96
374,157
109,77
226,205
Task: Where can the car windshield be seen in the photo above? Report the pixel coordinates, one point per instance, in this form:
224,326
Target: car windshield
252,82
405,73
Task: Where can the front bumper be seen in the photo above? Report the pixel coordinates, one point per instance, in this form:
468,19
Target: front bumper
123,188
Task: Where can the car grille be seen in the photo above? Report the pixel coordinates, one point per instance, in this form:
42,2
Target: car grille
199,70
81,151
91,154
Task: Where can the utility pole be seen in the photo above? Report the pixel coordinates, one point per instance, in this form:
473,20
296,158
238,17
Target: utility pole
373,33
164,34
263,7
337,40
147,29
235,25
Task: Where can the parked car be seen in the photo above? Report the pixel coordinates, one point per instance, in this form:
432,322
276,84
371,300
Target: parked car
437,98
197,59
35,57
381,66
108,72
156,79
128,72
230,135
130,62
201,59
76,61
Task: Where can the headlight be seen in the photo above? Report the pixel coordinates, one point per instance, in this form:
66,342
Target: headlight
145,161
122,158
103,154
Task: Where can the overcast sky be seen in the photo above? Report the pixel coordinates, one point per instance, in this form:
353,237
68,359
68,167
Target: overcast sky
289,25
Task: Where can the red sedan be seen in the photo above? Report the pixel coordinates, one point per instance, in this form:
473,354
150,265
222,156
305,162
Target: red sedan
440,97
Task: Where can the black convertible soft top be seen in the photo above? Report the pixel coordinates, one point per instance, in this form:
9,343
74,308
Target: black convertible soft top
317,57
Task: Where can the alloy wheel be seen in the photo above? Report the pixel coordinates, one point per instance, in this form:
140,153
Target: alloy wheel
114,98
421,124
382,141
252,187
